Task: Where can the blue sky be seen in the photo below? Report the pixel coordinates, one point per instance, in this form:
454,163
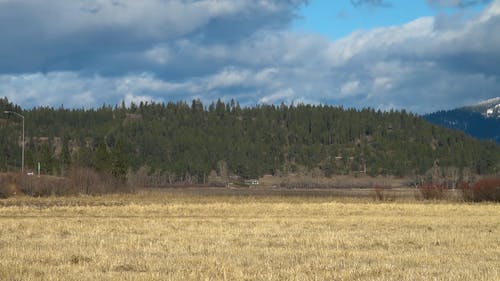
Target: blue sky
337,19
418,55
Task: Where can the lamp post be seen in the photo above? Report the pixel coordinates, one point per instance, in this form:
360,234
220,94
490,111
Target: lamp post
22,117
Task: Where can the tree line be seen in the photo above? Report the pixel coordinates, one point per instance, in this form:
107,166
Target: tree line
188,141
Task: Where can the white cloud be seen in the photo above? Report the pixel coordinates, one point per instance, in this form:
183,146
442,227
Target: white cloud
422,66
349,88
72,35
382,84
131,98
159,55
286,95
229,77
145,18
86,99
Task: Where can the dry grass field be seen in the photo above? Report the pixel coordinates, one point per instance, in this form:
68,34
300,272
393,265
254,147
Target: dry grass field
174,236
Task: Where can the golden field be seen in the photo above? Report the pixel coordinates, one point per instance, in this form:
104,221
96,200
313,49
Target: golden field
174,236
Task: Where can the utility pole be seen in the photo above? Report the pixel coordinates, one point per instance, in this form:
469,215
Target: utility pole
22,155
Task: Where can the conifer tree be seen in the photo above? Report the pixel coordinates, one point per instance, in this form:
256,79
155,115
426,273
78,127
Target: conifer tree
119,162
101,159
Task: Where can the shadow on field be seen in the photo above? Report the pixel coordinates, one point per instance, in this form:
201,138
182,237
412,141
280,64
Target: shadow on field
387,194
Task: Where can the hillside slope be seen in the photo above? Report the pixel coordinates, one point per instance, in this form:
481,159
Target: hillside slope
182,142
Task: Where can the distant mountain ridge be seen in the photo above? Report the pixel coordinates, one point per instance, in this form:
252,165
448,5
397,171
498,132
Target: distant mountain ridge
488,108
481,120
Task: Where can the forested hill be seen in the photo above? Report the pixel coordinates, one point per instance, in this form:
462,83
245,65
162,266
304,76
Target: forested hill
189,140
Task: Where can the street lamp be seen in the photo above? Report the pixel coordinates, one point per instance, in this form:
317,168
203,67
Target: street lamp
19,115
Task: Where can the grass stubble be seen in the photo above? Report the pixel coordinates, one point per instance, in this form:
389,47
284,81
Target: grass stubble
162,236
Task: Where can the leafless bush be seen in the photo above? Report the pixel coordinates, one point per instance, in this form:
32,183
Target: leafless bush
79,180
432,191
44,186
16,184
83,180
144,177
379,193
305,182
139,178
9,185
487,189
384,194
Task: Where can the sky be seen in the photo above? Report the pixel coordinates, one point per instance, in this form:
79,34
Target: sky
417,55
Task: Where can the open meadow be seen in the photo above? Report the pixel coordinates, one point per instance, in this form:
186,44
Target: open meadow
175,236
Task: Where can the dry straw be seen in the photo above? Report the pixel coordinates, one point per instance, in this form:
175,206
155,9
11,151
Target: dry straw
178,237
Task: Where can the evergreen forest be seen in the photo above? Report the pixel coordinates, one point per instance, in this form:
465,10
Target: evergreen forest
188,141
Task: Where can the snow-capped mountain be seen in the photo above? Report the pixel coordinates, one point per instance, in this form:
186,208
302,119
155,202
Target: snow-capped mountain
488,108
481,120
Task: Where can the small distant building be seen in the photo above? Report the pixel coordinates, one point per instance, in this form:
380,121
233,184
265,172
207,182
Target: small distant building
252,182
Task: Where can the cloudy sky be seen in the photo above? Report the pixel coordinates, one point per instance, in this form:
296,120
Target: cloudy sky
421,55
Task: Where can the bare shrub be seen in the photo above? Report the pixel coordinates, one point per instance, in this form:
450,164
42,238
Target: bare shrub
145,177
432,191
379,193
139,178
10,185
384,194
306,182
84,180
487,189
79,180
44,186
88,181
466,189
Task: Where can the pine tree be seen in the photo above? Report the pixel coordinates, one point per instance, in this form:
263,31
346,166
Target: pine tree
119,162
101,159
65,157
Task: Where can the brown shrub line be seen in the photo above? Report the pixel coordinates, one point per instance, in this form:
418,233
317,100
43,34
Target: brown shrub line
432,191
79,181
487,189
